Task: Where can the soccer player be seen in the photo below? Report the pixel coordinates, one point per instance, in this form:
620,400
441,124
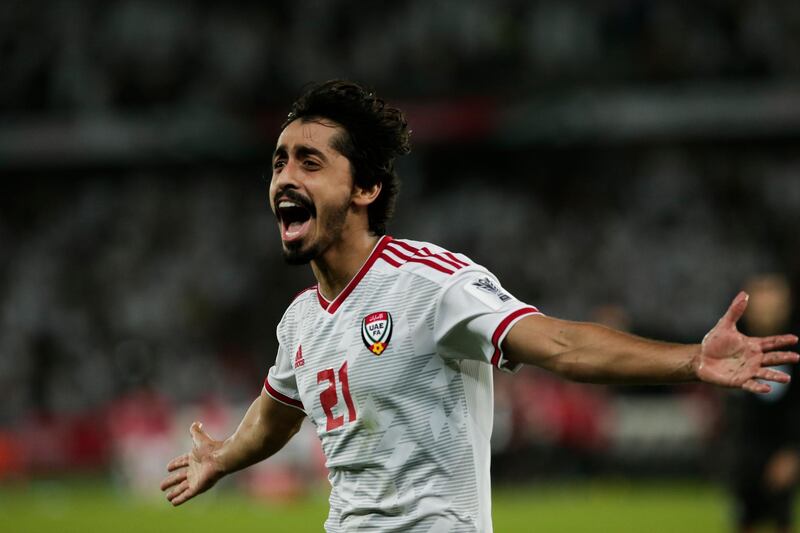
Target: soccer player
390,354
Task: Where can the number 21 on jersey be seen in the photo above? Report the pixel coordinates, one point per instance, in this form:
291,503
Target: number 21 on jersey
329,398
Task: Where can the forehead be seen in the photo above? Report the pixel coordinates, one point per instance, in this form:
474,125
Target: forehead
313,133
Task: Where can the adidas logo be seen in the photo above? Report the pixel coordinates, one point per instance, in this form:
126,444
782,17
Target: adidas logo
298,357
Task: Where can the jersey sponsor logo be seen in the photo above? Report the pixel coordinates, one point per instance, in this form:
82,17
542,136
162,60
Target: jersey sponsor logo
376,331
486,284
298,357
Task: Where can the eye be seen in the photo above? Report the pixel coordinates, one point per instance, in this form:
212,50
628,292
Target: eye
278,164
311,164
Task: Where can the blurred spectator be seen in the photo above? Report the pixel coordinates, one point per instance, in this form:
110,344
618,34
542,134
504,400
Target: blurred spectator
765,429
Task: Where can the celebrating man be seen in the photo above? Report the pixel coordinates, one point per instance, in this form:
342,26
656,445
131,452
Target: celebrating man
390,354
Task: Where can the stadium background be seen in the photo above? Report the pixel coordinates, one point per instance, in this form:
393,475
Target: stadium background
628,161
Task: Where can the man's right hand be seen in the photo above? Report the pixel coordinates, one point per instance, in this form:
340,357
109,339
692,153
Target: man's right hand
195,472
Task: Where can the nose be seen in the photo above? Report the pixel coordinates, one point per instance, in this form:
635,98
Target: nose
287,178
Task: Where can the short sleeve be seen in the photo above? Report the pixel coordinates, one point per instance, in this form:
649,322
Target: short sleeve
280,382
473,316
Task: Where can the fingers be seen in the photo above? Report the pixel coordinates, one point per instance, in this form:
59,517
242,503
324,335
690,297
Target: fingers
174,479
178,484
178,462
773,375
780,358
736,309
180,494
777,341
756,386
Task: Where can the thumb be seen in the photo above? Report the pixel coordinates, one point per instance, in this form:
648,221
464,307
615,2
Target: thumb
199,437
736,309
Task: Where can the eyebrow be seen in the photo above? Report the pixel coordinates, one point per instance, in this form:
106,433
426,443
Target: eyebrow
300,151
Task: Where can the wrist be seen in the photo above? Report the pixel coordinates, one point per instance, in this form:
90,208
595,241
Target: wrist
695,362
220,461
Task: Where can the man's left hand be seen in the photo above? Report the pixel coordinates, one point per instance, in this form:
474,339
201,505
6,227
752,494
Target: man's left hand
731,359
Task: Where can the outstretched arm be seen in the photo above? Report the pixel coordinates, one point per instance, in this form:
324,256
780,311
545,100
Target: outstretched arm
265,428
593,353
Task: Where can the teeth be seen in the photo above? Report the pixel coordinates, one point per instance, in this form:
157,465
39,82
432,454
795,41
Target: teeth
287,203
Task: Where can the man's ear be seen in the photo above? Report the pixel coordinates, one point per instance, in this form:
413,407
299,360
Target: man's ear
362,197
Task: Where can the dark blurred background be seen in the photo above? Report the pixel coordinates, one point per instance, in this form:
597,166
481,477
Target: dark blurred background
633,162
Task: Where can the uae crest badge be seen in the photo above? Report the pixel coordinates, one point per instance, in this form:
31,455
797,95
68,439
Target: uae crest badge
376,330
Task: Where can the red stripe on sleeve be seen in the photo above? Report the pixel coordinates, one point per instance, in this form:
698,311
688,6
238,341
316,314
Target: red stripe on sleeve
424,261
282,397
503,326
390,260
441,257
414,250
452,256
447,258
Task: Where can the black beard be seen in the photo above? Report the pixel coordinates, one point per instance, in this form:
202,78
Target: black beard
298,256
293,253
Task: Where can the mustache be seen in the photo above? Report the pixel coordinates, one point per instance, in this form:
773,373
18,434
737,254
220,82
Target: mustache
296,197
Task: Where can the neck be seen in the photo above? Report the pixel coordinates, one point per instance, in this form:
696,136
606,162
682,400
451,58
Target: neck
339,264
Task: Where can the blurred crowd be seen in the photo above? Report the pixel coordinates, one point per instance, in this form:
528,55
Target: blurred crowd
136,294
174,285
93,56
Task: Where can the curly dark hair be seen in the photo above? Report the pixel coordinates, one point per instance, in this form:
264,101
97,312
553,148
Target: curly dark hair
374,135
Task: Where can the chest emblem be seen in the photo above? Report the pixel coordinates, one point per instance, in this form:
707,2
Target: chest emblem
376,331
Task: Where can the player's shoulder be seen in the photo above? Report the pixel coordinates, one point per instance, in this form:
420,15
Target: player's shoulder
427,260
302,295
300,302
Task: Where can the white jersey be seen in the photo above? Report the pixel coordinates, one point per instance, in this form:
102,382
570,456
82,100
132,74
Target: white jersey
393,373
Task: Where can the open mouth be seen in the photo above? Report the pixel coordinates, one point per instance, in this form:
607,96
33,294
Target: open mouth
295,218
